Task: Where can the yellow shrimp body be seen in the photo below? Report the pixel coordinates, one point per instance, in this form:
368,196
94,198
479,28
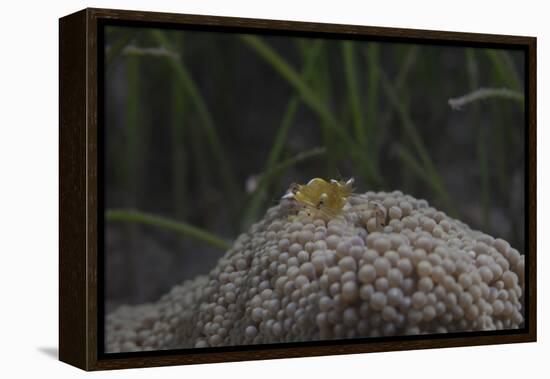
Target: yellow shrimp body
327,197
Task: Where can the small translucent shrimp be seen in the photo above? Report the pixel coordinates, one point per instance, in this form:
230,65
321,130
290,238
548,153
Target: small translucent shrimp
372,211
325,198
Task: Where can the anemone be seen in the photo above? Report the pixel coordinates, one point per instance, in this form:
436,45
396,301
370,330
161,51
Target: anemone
297,276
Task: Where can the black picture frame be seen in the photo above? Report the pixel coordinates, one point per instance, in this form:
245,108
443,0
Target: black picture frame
81,310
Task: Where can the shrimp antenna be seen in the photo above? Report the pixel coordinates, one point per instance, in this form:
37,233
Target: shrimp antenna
339,175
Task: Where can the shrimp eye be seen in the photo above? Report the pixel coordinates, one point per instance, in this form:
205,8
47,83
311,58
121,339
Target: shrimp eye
322,199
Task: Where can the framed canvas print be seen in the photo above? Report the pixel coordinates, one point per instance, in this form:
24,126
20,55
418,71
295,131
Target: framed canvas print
236,189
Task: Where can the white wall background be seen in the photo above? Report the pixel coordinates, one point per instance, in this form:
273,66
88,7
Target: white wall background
29,177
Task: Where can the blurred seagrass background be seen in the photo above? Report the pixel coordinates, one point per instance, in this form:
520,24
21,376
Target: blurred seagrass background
205,130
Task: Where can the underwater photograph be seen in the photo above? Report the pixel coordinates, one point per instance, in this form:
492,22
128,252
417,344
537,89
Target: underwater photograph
285,187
